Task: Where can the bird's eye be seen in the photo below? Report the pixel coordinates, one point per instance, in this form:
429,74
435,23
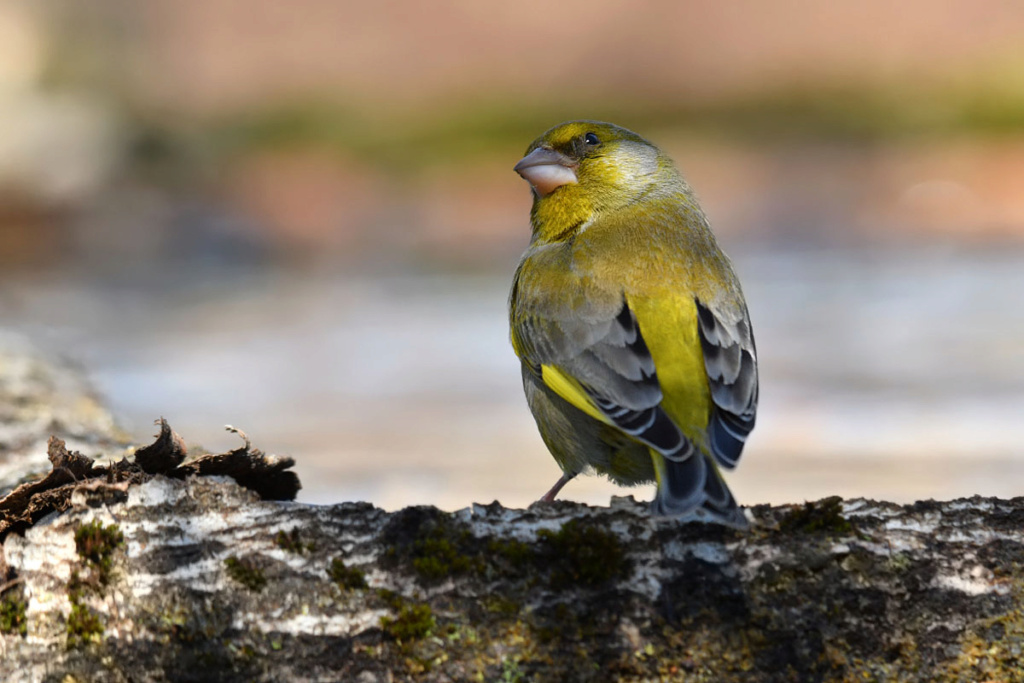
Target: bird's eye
591,139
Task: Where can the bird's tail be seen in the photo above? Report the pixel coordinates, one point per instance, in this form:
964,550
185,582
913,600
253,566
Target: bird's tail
692,490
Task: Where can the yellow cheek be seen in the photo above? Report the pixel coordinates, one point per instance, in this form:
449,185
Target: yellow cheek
608,170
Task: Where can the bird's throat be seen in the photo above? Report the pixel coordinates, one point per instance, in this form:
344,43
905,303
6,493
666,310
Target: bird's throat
559,216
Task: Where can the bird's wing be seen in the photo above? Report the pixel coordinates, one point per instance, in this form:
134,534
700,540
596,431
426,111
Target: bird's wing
730,359
598,361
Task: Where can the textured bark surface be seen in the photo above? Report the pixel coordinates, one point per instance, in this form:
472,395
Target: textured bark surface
42,397
268,476
189,576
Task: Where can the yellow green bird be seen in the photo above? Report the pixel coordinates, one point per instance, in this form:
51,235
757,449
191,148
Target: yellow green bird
637,352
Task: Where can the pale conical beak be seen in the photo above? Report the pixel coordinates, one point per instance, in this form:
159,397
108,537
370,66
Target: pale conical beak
546,170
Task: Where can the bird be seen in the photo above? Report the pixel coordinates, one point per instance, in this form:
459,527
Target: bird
637,352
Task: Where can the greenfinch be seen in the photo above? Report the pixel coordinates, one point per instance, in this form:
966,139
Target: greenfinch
638,357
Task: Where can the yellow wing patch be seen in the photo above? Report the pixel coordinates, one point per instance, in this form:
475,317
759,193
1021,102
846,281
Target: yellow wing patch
570,390
669,327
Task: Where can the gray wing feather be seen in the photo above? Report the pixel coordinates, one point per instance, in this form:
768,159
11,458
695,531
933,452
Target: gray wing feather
611,361
602,350
730,359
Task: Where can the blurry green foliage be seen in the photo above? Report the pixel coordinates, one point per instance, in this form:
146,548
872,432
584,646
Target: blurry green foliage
412,140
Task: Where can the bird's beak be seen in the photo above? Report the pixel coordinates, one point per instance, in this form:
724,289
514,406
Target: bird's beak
546,170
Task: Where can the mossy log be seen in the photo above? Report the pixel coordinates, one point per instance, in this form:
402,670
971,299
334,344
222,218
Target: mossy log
201,580
152,568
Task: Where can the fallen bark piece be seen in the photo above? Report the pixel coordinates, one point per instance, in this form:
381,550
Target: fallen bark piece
268,476
164,454
201,580
30,502
67,467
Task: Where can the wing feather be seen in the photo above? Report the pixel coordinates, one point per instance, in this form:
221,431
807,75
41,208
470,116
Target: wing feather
610,362
730,359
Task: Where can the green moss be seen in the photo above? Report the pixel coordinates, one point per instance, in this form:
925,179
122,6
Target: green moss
990,650
83,624
900,562
390,598
348,578
582,555
502,606
246,573
443,551
12,615
176,622
412,621
96,544
463,634
825,515
432,545
436,547
291,542
510,671
510,551
447,550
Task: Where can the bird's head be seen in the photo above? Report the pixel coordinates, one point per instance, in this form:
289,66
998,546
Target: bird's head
580,169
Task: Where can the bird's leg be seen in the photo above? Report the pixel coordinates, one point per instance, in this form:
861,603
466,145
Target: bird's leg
550,495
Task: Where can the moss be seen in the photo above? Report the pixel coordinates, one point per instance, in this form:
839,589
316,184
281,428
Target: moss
96,544
245,572
442,552
176,622
438,557
825,515
412,621
390,598
510,671
83,624
291,542
582,555
900,562
437,547
348,578
991,649
432,544
846,628
461,633
510,551
502,606
12,615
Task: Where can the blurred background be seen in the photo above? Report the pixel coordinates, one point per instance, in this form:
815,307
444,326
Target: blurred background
301,219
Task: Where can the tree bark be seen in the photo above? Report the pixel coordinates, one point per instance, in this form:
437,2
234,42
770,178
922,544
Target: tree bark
156,573
42,397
